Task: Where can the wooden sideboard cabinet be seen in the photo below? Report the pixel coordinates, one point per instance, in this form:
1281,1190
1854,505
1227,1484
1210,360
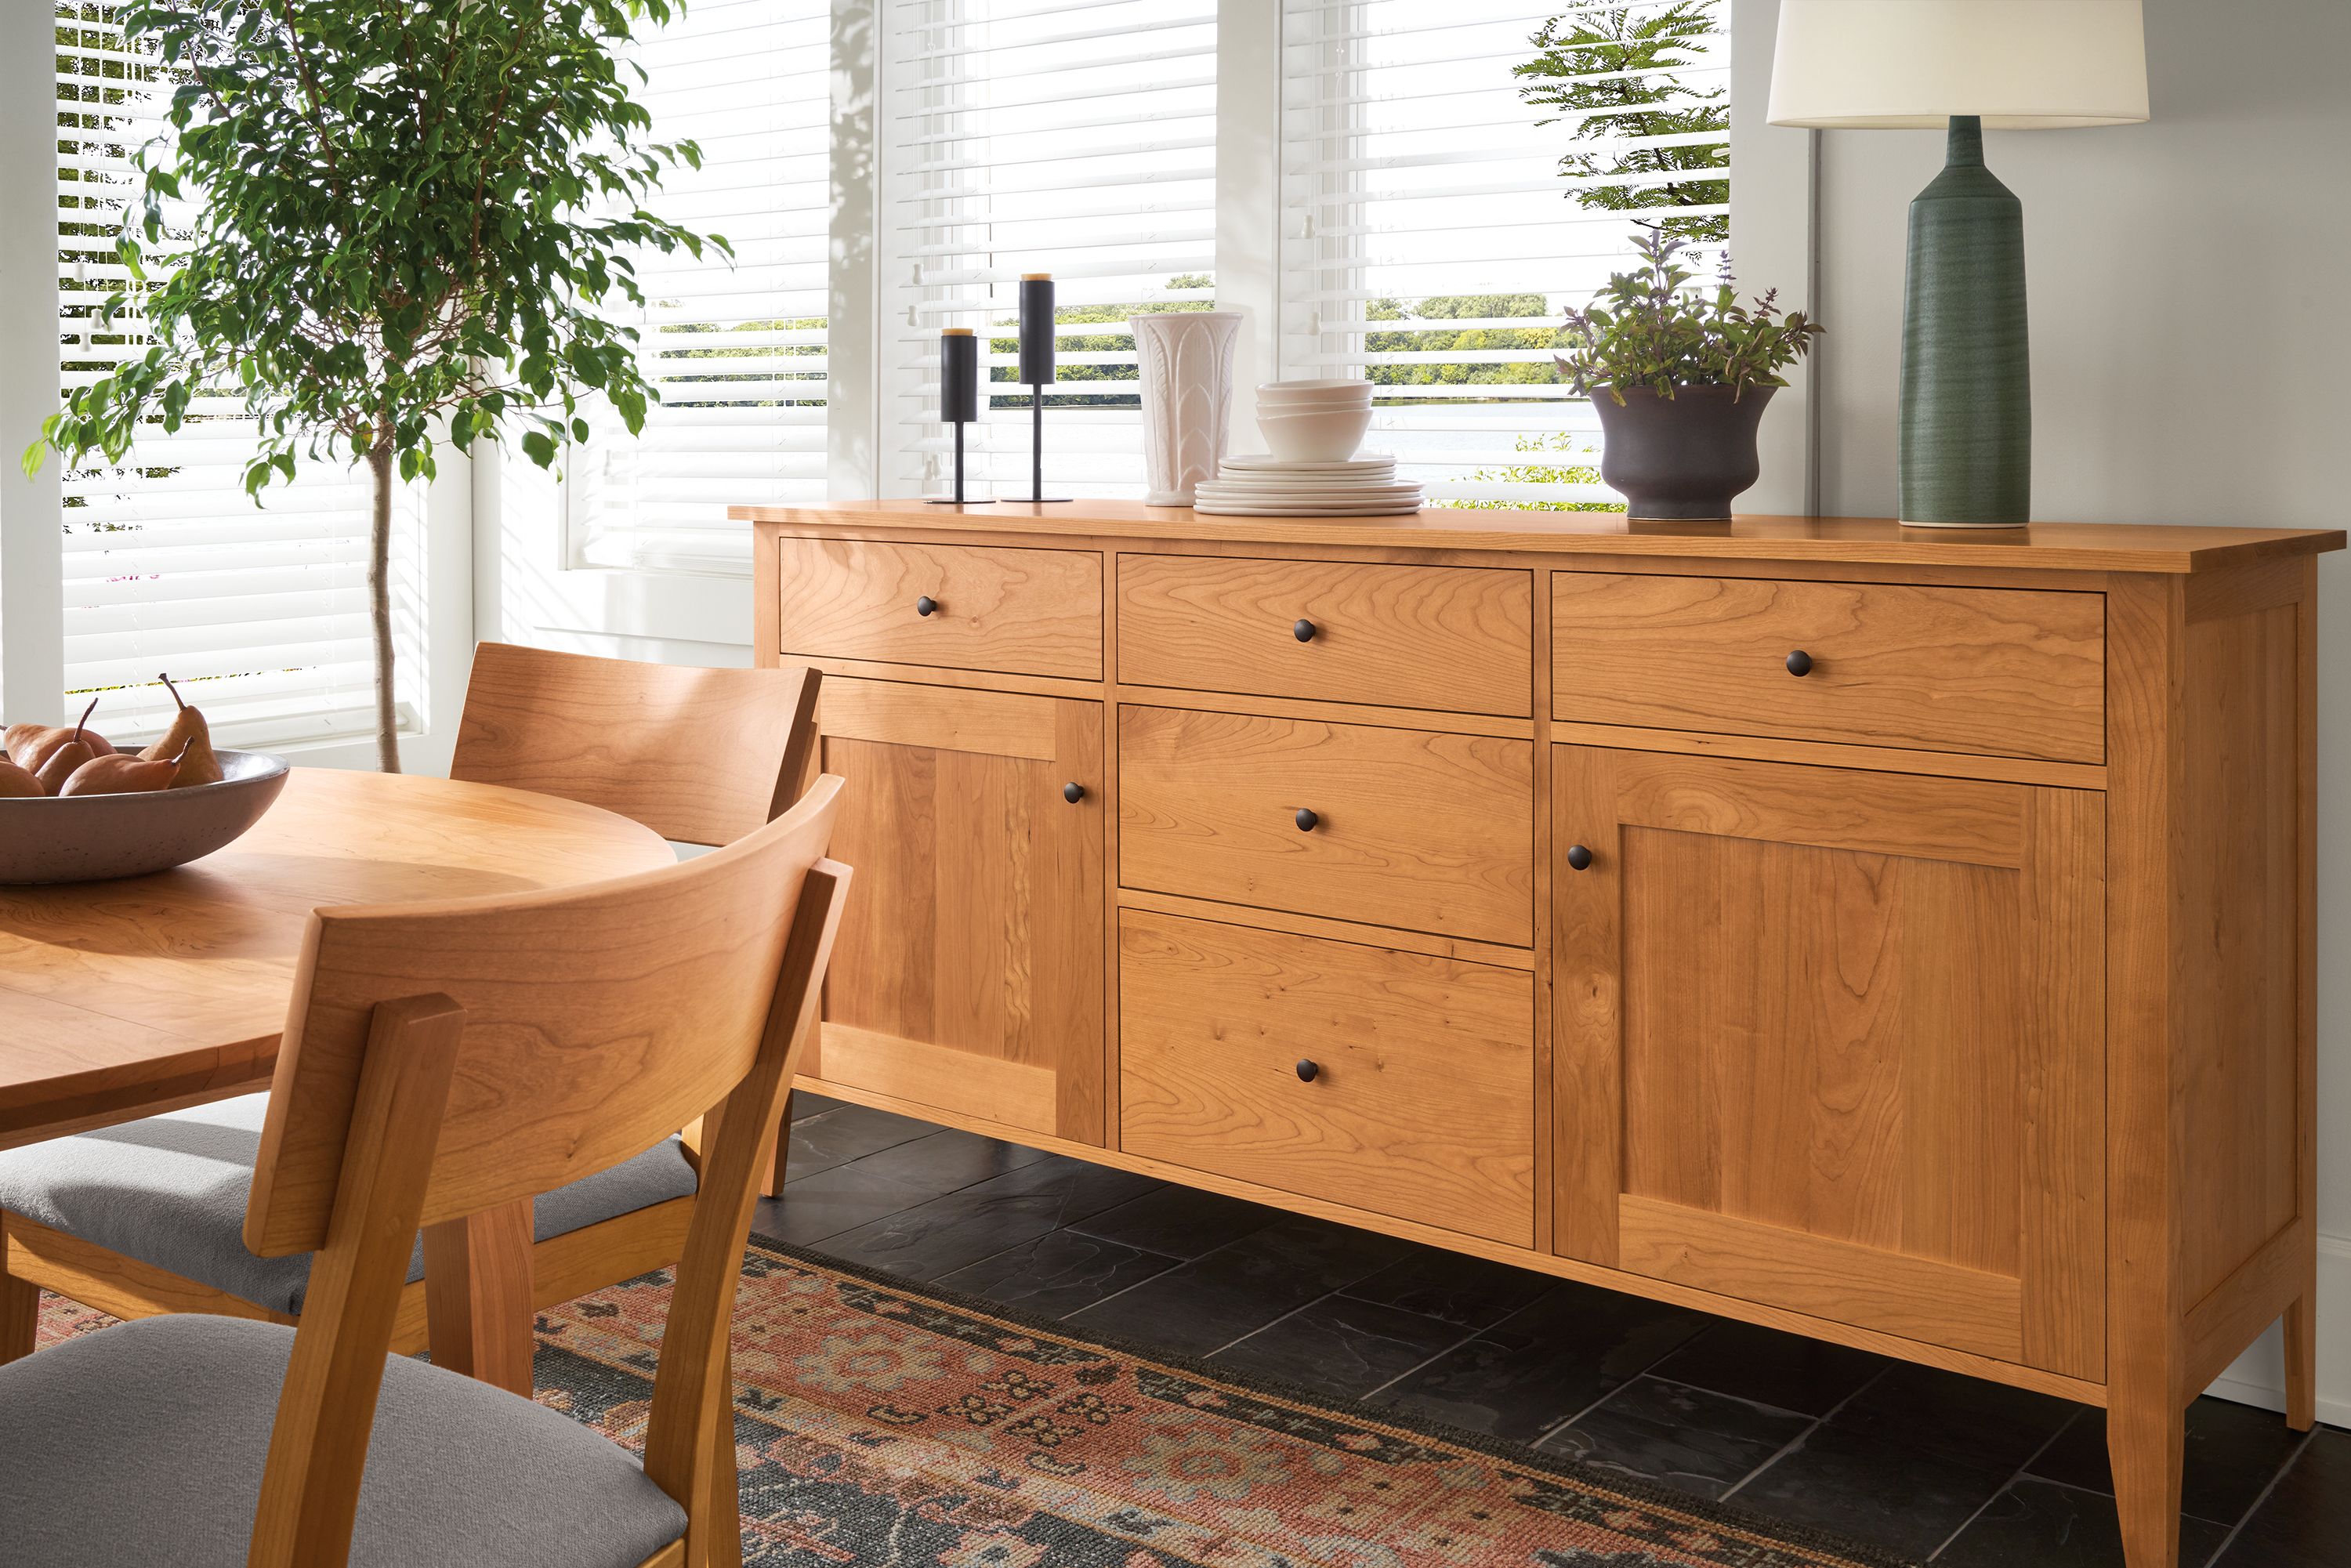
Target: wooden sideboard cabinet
1901,937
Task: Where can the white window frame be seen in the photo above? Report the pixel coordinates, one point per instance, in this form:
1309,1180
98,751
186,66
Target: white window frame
31,537
500,550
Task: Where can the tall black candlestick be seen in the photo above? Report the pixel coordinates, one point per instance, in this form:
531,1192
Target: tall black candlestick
1036,372
958,395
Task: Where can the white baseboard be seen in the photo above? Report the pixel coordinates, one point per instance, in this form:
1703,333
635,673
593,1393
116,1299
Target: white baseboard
2258,1376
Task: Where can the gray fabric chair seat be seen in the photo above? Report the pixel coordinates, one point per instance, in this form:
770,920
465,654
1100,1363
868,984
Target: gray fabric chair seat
143,1445
171,1191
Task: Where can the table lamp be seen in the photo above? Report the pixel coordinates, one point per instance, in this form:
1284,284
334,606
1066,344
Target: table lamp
1965,443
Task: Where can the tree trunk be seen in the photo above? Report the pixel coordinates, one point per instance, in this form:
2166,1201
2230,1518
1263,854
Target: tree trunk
387,721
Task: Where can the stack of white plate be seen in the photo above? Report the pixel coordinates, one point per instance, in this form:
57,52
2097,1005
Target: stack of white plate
1267,486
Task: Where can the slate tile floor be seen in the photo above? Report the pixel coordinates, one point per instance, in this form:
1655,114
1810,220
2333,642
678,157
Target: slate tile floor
1946,1469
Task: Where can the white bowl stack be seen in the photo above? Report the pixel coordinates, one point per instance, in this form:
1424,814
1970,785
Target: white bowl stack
1314,428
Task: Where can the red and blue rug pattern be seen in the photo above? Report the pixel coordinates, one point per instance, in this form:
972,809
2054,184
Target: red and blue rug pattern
881,1424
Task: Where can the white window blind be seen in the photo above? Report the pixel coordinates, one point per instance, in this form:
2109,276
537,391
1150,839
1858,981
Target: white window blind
1436,226
260,613
1070,137
738,351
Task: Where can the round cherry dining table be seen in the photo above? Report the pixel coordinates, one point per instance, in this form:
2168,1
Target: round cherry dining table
118,1000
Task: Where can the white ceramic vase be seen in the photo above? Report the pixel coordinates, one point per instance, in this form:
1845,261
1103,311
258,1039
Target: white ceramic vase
1186,359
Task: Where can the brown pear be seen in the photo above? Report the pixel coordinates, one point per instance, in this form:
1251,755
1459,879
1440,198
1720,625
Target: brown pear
190,740
15,783
61,761
30,745
121,775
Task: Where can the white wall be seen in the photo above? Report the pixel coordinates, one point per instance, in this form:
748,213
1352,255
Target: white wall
2191,364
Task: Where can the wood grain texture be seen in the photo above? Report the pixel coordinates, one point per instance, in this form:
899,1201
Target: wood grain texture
672,969
1400,636
978,926
20,1316
1023,1094
1416,829
1861,1026
479,1295
2013,1373
1422,1102
120,1286
412,1128
2236,1013
699,756
1871,759
693,1387
1025,611
1969,907
1469,952
2146,1386
401,1078
2045,547
119,998
986,724
1909,1296
1941,669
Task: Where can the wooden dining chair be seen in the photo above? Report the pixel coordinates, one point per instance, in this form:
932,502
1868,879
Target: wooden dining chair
144,1219
441,1062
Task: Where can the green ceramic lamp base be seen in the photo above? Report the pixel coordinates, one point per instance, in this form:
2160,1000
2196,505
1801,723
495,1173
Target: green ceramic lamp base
1966,440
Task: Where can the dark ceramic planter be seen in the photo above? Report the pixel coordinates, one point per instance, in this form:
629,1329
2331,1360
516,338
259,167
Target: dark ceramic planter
1679,459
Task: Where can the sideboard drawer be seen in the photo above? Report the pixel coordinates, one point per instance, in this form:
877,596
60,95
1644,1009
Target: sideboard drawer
1998,672
964,607
1420,1103
1400,636
1408,828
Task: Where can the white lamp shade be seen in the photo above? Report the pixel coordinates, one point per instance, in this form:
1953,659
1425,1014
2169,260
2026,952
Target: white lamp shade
2022,64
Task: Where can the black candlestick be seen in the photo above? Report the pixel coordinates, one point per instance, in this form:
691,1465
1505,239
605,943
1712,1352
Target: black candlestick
958,395
1037,374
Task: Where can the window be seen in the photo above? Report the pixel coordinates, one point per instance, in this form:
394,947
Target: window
1070,137
259,613
737,352
1453,176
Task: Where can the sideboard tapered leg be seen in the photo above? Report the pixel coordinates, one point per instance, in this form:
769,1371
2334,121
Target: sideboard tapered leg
2144,1441
2302,1363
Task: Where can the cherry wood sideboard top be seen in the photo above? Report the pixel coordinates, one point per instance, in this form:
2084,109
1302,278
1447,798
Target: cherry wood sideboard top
2056,547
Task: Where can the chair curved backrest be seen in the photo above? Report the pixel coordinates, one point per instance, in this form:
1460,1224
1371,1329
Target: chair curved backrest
699,756
443,1059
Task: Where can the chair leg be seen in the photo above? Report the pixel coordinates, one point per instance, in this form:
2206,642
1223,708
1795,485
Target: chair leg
726,1484
772,1185
20,1317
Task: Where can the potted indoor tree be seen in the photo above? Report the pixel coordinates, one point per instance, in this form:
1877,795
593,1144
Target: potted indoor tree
1679,377
385,228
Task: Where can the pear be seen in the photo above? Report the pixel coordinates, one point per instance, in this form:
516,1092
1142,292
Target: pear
15,783
121,775
30,745
59,762
190,740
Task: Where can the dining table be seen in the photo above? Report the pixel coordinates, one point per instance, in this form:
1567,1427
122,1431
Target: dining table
122,999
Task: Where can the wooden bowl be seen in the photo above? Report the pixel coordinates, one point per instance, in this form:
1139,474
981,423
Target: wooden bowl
92,838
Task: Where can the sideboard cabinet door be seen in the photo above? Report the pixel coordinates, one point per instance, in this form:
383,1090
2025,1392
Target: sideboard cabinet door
1833,1041
969,970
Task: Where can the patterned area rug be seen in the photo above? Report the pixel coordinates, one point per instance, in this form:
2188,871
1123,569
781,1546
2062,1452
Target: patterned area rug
882,1425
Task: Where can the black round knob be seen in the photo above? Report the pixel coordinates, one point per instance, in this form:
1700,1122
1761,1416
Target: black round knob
1799,663
1073,792
1306,820
1306,1071
926,605
1303,630
1578,858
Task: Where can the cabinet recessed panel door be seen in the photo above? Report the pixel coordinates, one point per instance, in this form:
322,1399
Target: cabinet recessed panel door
1833,1041
968,971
